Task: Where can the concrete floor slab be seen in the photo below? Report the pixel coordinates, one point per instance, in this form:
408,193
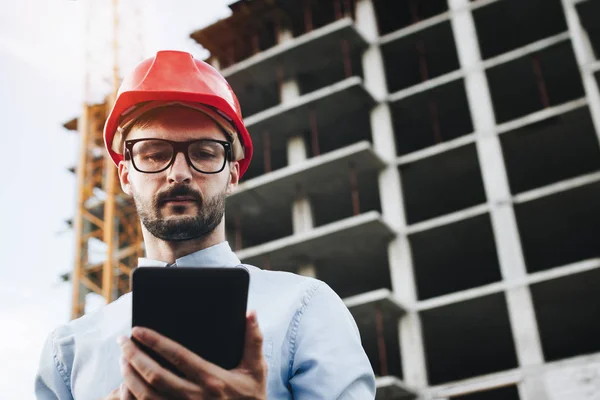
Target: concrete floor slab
377,314
332,107
317,46
292,118
279,188
392,388
573,378
363,306
328,243
501,393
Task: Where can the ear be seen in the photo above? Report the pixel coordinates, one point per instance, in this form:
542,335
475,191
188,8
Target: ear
124,177
234,177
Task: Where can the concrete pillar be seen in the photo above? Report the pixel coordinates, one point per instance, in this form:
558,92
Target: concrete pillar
284,35
307,270
302,216
289,90
585,56
533,388
215,63
366,20
508,245
392,204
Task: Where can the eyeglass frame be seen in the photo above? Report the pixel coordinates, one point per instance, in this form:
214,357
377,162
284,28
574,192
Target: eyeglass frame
178,147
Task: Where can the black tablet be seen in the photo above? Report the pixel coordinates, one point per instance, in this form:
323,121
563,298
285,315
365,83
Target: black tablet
203,309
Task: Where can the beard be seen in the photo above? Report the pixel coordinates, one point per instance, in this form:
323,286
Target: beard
180,227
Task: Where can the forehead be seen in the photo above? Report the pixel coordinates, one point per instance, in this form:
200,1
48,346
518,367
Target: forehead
176,123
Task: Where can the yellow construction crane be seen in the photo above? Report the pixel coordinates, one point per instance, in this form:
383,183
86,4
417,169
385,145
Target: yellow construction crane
105,217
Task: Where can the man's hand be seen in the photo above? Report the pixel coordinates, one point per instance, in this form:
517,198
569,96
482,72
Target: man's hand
144,378
117,394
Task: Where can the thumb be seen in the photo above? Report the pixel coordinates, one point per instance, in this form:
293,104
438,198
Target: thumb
253,343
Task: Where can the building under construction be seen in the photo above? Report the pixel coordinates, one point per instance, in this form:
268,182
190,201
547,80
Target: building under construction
436,162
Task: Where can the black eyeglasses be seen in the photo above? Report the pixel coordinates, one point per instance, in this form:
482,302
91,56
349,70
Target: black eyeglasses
150,156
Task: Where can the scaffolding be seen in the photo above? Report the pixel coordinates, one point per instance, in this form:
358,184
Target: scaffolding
105,218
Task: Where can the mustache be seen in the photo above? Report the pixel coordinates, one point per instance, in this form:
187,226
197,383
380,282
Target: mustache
177,191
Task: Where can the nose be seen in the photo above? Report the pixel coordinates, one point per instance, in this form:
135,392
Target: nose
180,171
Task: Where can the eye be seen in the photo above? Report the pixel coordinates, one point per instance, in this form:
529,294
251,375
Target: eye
202,154
156,155
205,151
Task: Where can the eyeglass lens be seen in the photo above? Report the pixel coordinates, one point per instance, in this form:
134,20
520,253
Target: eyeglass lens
154,155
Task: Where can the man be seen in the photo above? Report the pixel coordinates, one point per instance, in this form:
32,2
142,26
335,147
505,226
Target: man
176,135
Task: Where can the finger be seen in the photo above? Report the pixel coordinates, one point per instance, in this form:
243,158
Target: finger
125,393
154,375
135,384
114,395
253,354
193,366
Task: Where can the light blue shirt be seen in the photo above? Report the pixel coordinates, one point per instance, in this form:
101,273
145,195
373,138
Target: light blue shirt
311,342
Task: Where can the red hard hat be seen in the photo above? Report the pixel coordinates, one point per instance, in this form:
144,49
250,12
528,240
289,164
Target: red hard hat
176,76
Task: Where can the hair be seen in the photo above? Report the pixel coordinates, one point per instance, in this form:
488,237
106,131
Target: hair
144,121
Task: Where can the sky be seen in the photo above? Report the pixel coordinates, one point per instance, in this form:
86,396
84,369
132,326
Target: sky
45,48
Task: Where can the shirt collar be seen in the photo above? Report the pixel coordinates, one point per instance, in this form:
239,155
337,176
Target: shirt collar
219,255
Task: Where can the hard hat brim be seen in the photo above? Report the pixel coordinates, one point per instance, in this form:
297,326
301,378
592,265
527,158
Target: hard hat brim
125,101
136,112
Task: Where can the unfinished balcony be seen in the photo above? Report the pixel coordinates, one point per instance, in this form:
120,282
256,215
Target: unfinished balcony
414,57
444,183
301,17
389,387
266,201
449,268
377,315
468,339
546,76
350,254
558,224
507,25
429,114
502,393
332,71
588,11
553,148
393,15
329,118
341,187
567,310
256,79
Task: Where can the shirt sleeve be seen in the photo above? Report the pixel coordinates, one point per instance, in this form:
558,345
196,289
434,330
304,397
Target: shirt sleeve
328,360
51,381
